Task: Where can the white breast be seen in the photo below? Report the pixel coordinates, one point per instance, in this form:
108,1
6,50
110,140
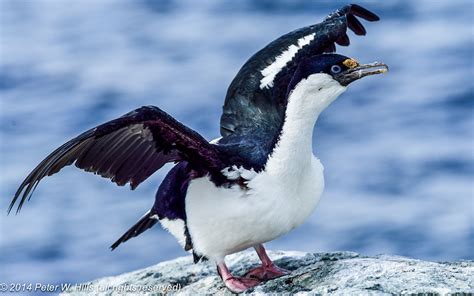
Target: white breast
223,221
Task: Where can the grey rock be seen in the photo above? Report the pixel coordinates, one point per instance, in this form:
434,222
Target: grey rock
337,273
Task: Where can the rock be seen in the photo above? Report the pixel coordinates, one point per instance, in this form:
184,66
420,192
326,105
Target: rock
334,273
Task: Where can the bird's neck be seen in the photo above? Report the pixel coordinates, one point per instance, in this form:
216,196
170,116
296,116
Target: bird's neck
293,150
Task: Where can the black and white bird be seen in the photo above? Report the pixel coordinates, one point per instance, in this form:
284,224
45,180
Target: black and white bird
260,179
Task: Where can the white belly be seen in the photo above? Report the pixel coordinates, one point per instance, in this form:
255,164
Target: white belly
223,221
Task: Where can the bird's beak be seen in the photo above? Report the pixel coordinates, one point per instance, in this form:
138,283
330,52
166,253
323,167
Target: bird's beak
357,71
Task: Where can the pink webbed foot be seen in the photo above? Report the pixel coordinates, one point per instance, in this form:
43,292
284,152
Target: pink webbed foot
268,270
238,285
235,284
265,273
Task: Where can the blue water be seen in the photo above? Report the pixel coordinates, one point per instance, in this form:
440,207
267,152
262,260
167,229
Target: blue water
397,149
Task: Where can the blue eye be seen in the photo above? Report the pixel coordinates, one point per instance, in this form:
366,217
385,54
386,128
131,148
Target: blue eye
335,69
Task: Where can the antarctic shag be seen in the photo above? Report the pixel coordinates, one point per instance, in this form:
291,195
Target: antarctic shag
255,183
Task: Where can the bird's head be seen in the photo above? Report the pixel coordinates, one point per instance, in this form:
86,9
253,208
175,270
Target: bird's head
320,79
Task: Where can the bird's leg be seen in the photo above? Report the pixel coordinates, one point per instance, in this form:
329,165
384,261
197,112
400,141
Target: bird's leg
235,284
268,270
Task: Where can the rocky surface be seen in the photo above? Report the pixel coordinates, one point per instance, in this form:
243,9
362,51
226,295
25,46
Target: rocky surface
335,273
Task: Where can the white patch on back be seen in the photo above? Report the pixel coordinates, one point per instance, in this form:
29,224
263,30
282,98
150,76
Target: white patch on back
176,228
222,221
234,172
270,72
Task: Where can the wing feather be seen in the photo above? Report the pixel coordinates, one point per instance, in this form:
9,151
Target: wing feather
252,89
356,26
128,150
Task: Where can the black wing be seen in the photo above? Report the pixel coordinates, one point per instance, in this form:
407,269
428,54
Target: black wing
249,104
128,150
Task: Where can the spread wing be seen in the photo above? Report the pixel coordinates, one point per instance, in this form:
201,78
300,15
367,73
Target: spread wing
250,102
128,150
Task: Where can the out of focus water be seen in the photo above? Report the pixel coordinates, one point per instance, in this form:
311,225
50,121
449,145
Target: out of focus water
397,149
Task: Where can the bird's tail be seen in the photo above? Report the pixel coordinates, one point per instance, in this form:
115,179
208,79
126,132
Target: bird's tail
145,222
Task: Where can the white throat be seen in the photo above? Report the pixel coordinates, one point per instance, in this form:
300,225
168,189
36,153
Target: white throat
307,100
